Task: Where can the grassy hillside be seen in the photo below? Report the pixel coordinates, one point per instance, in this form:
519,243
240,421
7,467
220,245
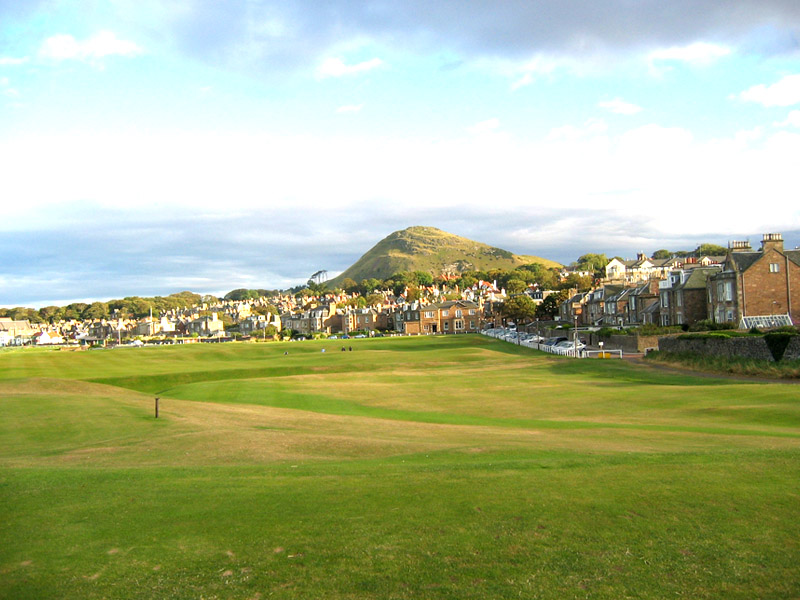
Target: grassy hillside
458,467
432,250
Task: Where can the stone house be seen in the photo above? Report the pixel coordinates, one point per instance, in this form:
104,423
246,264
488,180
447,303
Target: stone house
206,325
757,288
642,305
682,296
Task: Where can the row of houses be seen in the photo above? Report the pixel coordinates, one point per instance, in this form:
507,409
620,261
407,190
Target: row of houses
746,288
410,318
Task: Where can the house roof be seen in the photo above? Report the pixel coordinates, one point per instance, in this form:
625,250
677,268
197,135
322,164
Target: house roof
745,260
698,277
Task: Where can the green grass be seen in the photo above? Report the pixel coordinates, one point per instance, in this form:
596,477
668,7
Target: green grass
747,367
456,467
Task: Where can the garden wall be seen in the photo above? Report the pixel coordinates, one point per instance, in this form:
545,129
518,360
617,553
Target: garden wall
626,343
745,347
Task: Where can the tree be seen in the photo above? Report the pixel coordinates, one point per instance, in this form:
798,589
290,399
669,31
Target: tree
349,286
593,262
373,299
96,310
710,250
515,286
241,294
548,309
519,308
51,314
369,285
582,283
466,281
662,254
422,278
266,309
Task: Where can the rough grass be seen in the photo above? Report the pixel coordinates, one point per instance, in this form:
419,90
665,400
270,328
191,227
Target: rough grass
748,367
409,468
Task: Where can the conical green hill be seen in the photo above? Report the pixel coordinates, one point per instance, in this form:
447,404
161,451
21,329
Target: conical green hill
434,251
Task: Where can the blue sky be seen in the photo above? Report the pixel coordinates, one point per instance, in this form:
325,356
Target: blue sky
148,147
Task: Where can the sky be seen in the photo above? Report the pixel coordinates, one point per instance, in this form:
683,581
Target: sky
153,146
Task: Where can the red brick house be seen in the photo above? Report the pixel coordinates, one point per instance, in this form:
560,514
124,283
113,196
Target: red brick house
757,288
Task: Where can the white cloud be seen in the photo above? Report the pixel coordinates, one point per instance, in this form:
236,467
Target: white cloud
620,107
786,92
350,108
654,174
336,67
570,133
485,127
525,72
792,120
8,60
698,53
102,44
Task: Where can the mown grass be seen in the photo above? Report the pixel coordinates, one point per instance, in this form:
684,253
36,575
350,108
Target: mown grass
409,468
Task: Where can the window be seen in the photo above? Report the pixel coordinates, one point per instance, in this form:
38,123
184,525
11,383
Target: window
459,324
458,313
471,311
428,314
664,299
446,325
445,313
472,324
679,298
774,268
728,292
664,320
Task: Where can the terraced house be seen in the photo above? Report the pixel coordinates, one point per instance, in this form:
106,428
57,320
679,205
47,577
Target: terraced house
452,316
757,288
683,295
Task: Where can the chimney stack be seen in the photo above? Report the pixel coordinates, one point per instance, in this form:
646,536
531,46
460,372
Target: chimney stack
740,246
772,240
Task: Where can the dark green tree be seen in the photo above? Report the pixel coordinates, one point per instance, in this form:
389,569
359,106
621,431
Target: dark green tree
593,262
548,308
519,309
710,250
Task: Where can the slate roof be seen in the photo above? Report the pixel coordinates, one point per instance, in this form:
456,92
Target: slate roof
745,260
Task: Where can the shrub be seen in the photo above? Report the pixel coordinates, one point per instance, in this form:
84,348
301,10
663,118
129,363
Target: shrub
777,343
709,325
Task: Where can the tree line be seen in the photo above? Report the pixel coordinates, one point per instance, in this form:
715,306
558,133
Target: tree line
129,307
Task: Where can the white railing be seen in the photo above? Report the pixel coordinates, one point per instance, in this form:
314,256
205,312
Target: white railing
603,353
511,338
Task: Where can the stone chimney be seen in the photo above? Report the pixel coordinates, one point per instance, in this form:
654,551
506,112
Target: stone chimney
641,256
772,241
740,246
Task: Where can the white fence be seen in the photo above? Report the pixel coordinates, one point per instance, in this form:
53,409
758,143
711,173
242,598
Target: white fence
510,336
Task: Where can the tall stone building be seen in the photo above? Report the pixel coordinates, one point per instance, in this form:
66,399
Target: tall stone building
757,288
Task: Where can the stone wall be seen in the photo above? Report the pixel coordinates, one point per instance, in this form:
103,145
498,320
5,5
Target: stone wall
745,347
793,349
626,343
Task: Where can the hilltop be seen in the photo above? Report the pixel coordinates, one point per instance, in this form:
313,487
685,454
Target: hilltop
434,251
